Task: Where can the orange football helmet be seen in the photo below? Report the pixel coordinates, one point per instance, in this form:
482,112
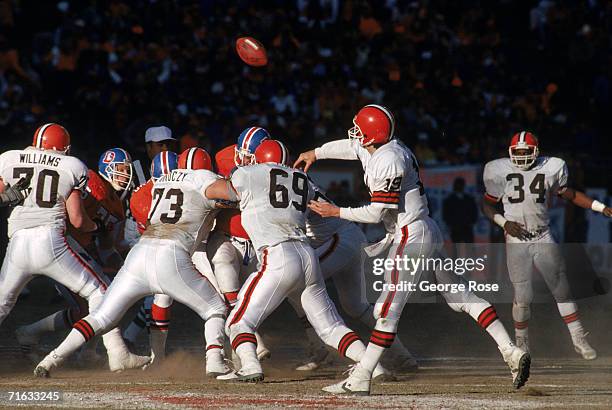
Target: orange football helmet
373,124
52,136
195,158
272,151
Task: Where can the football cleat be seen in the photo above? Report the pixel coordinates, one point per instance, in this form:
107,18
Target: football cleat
216,364
583,348
248,374
43,369
125,360
358,383
519,362
42,372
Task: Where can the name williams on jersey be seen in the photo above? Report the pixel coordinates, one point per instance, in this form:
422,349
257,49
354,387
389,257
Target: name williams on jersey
39,158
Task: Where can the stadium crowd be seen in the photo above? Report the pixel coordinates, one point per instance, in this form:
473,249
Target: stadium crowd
460,75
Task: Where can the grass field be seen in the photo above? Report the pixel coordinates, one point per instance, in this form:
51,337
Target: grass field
460,367
465,383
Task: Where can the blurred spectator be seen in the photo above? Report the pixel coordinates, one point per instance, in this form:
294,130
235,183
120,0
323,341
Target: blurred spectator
467,75
460,213
159,139
340,193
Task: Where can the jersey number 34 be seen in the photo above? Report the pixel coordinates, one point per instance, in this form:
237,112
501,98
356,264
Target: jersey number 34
537,187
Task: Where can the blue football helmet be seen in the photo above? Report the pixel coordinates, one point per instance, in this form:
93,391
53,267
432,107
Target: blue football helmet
115,166
248,141
163,163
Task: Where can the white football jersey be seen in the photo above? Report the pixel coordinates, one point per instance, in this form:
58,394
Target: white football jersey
525,194
179,208
53,176
392,175
319,229
274,202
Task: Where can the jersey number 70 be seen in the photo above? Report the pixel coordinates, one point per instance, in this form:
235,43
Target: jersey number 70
43,176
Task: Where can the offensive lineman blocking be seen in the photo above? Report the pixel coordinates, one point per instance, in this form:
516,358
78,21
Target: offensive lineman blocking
37,243
160,263
273,200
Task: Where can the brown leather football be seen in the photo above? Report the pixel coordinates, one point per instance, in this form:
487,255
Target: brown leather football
251,51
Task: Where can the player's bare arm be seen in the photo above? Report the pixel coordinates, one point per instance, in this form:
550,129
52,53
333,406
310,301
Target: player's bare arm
306,159
582,200
325,209
515,229
221,190
77,215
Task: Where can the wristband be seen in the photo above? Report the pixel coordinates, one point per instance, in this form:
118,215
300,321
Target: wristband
499,220
597,206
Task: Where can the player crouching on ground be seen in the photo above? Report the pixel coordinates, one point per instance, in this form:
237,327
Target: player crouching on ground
522,183
160,263
273,199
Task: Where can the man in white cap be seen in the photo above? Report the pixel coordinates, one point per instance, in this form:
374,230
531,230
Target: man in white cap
159,139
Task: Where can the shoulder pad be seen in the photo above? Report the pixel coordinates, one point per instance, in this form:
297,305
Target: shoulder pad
140,202
224,160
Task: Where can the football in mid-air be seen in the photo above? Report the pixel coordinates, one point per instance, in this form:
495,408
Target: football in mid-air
251,51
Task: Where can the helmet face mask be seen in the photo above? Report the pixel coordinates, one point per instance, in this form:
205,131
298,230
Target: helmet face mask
243,157
121,175
523,150
115,166
248,141
355,132
523,158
